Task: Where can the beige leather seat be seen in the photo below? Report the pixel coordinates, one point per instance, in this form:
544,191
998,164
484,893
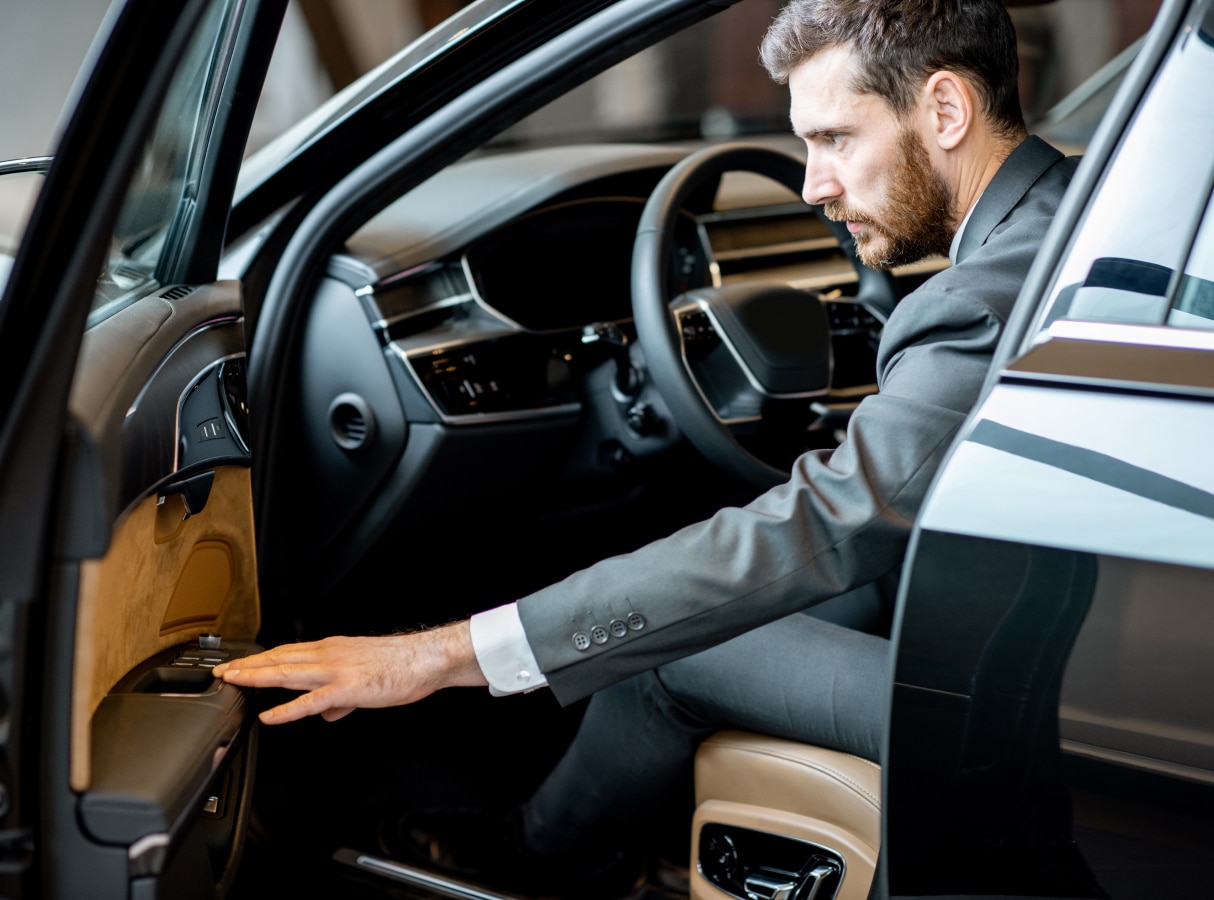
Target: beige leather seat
829,798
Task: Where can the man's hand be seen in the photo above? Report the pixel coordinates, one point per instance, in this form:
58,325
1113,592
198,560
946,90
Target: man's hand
341,674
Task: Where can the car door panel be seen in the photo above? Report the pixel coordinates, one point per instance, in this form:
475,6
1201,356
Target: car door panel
159,749
164,581
1070,470
131,772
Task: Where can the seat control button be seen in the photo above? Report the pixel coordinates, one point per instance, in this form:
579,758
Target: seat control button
764,886
209,641
599,634
581,640
618,627
636,621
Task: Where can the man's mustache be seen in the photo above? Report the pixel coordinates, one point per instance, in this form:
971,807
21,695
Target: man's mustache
837,212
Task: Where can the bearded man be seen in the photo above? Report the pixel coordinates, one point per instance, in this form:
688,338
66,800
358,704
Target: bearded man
914,138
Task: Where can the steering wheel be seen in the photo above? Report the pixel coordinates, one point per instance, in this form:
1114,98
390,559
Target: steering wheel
756,346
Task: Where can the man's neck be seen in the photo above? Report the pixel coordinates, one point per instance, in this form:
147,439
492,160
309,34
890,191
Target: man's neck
981,160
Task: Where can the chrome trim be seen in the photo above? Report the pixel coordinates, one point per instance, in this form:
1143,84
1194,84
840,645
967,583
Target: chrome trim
445,887
408,274
817,846
520,415
220,322
1121,333
733,351
714,267
677,313
37,165
478,299
808,245
147,844
412,349
1133,760
793,209
384,324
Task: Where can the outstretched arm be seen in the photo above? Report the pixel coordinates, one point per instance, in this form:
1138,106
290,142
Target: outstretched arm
341,674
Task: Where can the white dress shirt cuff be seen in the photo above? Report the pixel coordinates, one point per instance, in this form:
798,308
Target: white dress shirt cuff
503,653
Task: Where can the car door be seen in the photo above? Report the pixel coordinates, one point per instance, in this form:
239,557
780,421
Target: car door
127,563
1052,732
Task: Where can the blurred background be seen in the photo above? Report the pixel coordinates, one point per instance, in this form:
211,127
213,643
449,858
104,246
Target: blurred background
705,82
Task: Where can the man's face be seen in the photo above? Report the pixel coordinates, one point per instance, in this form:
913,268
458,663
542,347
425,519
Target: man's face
867,167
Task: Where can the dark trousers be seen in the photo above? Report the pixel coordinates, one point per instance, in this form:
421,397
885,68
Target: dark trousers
800,678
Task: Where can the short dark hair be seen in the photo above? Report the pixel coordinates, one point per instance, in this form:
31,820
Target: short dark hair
899,43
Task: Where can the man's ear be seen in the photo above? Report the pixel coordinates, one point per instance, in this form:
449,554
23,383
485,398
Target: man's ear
949,106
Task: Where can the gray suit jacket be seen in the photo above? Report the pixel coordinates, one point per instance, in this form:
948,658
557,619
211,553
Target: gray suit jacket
844,517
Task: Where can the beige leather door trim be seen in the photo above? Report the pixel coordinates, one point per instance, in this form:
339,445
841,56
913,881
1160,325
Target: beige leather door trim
162,583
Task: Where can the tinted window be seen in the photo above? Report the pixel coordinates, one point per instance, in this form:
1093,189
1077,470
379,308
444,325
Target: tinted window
1192,303
166,182
1146,217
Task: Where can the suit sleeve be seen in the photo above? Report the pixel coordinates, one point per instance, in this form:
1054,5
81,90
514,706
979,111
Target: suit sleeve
842,520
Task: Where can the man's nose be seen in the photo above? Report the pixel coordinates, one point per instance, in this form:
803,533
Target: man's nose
821,185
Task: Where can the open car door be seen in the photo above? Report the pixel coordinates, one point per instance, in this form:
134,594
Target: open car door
127,563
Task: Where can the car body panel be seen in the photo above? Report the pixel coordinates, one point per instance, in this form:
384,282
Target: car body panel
1052,668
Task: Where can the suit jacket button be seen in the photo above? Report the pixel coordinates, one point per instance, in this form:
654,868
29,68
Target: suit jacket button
581,640
618,628
636,621
599,634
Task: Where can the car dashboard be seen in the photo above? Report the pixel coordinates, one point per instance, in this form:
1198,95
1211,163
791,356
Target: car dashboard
463,343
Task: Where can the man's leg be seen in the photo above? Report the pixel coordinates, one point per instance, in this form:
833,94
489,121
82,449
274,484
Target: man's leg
799,678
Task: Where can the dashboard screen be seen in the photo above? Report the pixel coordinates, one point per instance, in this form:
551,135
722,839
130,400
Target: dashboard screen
571,265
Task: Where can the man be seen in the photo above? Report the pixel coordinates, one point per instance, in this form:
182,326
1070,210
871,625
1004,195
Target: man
915,139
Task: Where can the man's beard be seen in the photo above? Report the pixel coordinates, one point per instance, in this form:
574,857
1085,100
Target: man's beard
917,219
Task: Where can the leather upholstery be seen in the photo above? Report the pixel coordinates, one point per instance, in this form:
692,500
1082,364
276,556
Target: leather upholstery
768,784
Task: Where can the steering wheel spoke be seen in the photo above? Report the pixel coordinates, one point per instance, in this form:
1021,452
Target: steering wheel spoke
727,388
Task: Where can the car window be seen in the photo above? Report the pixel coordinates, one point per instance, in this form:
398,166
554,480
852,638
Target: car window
160,198
1143,253
1192,304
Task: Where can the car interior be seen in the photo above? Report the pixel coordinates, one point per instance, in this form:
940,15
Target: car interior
441,383
577,468
468,391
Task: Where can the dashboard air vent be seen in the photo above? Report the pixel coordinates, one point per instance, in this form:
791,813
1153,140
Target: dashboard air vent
177,292
351,422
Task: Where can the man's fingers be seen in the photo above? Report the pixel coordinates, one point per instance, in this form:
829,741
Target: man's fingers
330,649
309,704
293,676
340,674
